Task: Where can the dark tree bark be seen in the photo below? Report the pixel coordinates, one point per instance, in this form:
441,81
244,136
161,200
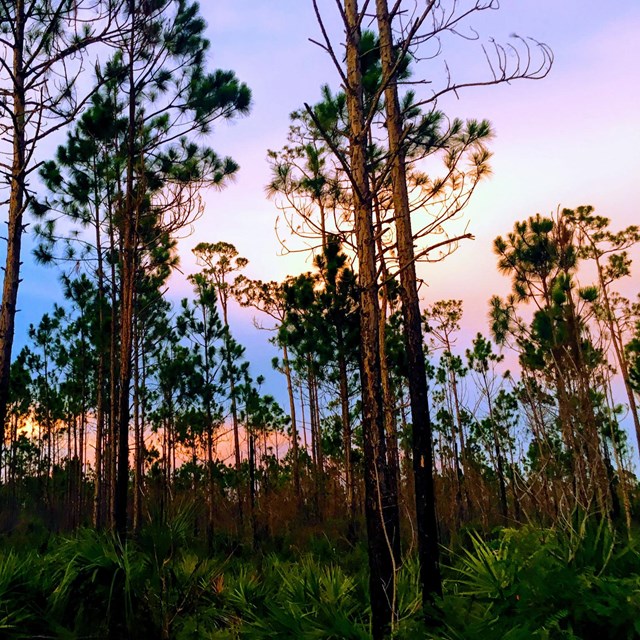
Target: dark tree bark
128,235
382,525
294,427
428,551
16,212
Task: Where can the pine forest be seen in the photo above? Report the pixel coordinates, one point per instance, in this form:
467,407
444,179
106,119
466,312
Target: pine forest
193,447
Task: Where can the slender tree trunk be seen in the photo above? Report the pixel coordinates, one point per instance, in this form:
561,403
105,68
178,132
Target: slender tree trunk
294,427
304,422
514,488
346,441
502,485
82,456
126,338
382,525
15,226
390,429
428,550
234,406
100,373
211,483
165,463
252,486
460,450
320,452
137,429
50,451
12,449
111,461
71,460
143,422
457,445
388,400
128,265
315,431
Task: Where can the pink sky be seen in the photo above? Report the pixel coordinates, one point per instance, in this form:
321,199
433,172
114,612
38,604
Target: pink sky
567,140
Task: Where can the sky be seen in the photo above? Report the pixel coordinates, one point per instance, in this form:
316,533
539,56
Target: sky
569,139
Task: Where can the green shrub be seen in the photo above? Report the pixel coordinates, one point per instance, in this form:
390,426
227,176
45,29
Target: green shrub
530,583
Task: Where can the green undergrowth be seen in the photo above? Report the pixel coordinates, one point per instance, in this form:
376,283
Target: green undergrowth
578,582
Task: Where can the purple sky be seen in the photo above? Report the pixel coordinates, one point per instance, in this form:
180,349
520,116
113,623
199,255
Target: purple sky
570,139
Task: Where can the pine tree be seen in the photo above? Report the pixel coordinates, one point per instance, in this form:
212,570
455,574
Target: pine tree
43,46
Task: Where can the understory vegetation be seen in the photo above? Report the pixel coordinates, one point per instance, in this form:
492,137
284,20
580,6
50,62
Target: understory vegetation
578,581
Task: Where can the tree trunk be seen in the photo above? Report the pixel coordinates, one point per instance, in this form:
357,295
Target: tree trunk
294,427
315,434
382,526
346,442
252,486
502,485
137,430
388,400
428,551
16,211
128,264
